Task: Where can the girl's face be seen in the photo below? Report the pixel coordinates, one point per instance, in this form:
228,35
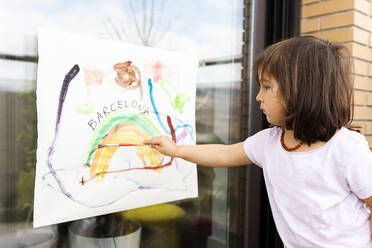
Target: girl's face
271,100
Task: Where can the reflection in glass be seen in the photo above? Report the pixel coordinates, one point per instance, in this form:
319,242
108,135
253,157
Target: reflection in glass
210,29
113,230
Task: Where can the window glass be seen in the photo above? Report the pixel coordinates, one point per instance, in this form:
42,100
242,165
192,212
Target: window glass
210,29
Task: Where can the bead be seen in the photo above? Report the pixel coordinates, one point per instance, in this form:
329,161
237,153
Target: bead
289,149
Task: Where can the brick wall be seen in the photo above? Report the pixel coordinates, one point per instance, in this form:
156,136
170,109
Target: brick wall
348,22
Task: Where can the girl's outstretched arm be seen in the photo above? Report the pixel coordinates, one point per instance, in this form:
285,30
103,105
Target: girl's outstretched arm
214,155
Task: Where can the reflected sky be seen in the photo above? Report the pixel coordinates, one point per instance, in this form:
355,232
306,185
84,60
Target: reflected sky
207,28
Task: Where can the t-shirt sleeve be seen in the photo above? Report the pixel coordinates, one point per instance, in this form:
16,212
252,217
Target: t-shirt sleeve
359,171
254,147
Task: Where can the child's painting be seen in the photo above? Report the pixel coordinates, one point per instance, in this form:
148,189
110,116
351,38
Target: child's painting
97,101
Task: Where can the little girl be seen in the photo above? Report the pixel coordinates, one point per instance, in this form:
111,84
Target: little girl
318,172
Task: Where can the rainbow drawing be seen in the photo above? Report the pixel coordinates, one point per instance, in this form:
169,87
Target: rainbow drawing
122,128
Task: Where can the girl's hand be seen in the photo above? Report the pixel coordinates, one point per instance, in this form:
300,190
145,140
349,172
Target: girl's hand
163,144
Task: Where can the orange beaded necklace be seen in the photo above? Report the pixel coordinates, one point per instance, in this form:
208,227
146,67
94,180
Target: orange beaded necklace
289,149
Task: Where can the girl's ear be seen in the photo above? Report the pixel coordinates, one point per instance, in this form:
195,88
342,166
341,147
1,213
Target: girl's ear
276,89
282,100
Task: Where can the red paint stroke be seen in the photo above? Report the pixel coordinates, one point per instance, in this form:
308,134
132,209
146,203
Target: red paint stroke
121,144
169,121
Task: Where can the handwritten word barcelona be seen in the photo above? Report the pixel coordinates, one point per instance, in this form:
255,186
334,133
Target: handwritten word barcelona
117,105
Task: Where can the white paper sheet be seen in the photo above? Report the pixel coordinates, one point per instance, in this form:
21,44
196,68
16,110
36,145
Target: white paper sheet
92,92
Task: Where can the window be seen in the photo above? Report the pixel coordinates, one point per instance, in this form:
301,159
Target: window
210,29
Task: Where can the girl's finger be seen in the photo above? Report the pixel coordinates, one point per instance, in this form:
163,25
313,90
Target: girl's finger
148,142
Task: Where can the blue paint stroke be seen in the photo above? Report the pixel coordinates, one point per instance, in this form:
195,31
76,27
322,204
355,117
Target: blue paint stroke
157,112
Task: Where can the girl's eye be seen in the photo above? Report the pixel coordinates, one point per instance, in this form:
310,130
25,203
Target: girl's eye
266,87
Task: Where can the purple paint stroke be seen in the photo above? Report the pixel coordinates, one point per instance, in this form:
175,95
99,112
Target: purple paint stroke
62,95
85,204
179,138
146,187
182,135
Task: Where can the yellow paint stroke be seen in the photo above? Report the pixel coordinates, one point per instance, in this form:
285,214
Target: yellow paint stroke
124,133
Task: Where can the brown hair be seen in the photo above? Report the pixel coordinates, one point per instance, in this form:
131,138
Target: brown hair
315,79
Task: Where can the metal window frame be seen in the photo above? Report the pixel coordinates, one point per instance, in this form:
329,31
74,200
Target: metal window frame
251,223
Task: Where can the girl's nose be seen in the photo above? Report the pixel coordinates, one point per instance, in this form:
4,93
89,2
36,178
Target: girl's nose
259,97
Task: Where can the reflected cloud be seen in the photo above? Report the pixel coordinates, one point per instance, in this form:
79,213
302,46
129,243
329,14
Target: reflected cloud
215,31
225,4
68,15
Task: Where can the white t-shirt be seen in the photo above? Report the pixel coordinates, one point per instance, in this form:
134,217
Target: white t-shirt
316,196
